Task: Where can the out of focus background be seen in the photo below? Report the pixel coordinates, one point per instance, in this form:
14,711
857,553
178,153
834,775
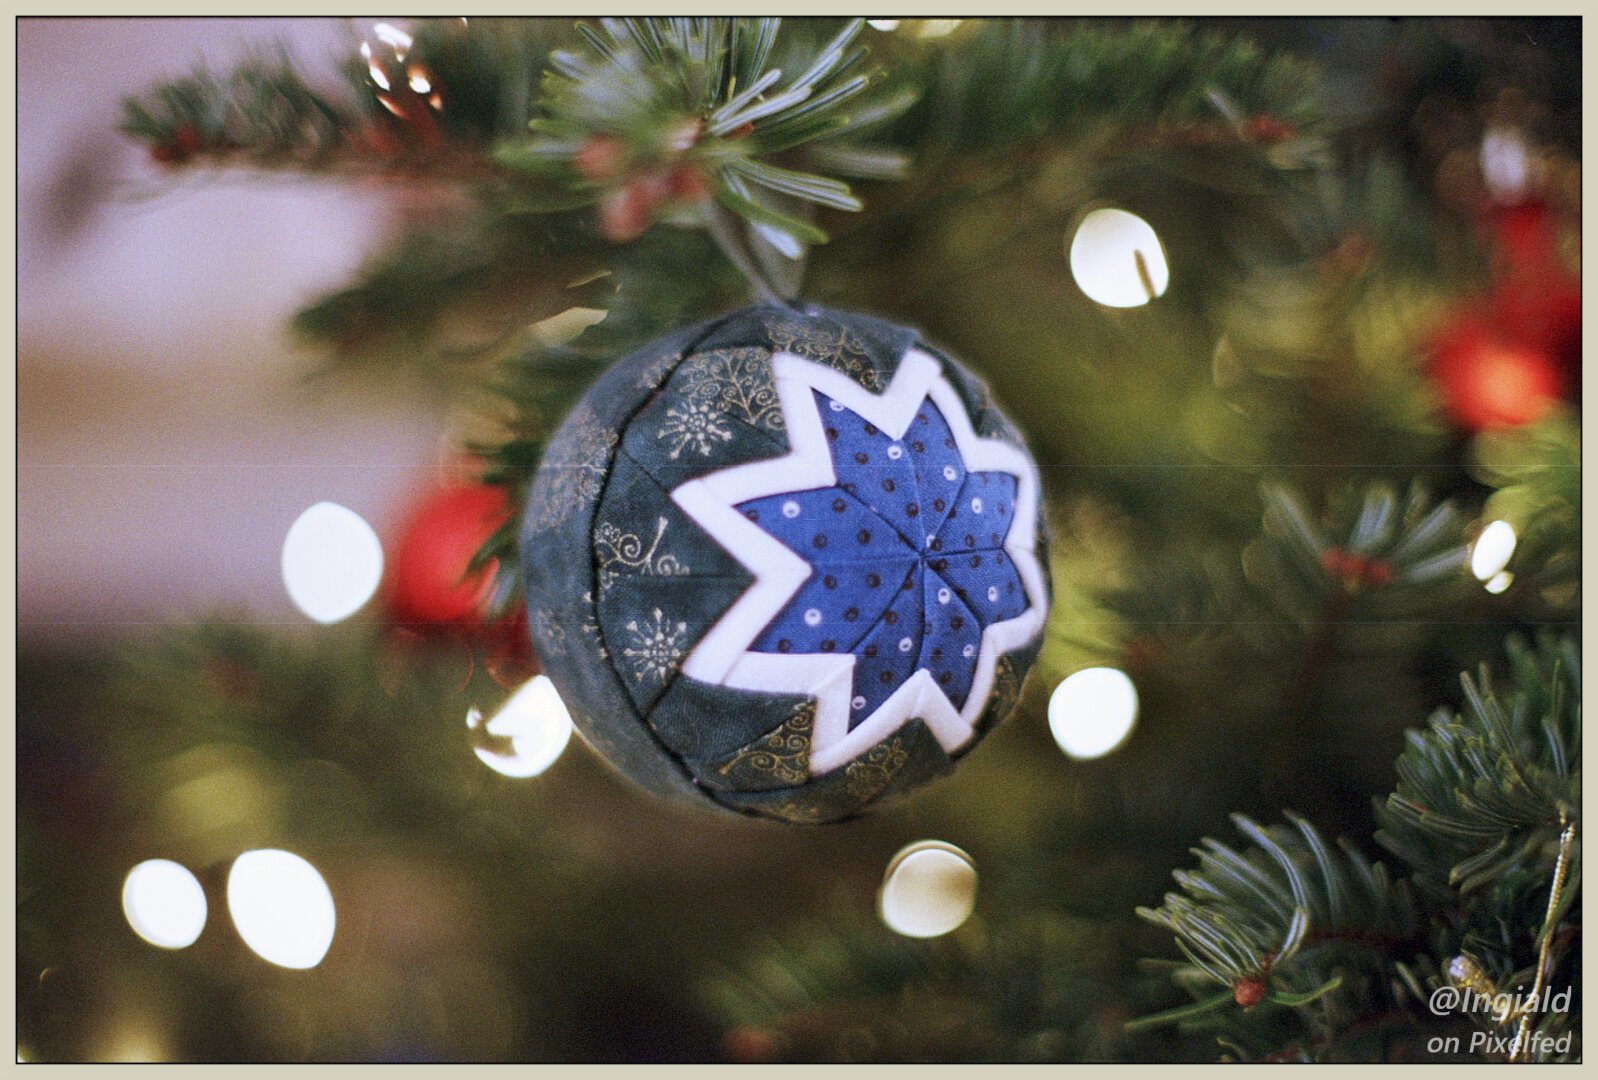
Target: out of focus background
1311,454
161,418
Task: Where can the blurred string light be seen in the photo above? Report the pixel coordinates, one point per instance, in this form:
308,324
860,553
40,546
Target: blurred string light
1492,551
531,728
164,903
885,25
282,907
416,76
373,68
394,38
1092,712
332,562
1499,582
1117,260
929,889
560,328
1506,164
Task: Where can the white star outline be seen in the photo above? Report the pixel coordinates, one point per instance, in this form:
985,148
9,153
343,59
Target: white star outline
722,656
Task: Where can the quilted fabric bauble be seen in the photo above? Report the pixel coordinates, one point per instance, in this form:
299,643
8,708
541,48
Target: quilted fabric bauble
788,563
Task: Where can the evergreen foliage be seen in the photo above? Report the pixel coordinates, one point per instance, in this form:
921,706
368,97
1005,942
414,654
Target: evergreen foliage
1485,816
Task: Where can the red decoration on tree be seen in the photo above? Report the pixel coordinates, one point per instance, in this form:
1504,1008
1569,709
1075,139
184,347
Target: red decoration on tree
428,593
1536,299
427,584
1488,379
1508,357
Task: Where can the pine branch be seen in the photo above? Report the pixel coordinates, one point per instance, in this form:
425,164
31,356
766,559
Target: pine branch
429,103
264,112
658,117
1537,471
1486,812
1312,593
1066,78
1281,921
1485,788
843,988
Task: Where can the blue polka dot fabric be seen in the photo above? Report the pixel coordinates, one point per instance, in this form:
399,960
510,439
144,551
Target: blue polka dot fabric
906,555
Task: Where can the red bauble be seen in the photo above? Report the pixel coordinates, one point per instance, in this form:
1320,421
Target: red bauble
426,584
1524,237
1543,315
1535,299
1489,379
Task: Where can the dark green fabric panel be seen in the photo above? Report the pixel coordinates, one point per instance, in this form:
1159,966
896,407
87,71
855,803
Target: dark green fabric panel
720,409
640,532
866,348
905,760
650,624
709,725
559,570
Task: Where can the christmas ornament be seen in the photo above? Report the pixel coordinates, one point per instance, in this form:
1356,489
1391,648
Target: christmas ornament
428,584
789,563
428,593
1488,379
1535,298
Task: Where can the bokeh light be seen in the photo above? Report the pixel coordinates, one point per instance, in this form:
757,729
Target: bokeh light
537,724
1506,164
1499,582
332,562
929,888
1492,550
1117,260
282,907
1092,712
936,28
164,903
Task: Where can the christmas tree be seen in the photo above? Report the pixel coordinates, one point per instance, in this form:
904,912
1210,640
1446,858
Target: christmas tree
1286,768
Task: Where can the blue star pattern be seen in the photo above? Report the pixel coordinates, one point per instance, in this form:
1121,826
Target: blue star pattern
907,557
893,555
